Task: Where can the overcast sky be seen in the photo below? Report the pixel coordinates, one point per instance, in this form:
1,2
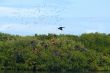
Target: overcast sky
27,17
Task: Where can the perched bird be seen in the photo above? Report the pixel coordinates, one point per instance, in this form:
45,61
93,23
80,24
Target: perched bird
33,44
61,28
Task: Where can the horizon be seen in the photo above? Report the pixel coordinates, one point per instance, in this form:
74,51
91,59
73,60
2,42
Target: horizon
56,34
25,17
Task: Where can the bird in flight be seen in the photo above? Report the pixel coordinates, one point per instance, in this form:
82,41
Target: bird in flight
61,28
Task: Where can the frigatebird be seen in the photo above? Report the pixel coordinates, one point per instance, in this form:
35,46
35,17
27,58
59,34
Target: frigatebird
61,28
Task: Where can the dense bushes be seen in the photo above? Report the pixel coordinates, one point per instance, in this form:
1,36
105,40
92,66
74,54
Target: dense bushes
55,52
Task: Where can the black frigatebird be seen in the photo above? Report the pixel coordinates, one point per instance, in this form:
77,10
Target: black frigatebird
61,28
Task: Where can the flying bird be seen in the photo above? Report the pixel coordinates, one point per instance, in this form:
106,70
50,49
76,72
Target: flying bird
61,28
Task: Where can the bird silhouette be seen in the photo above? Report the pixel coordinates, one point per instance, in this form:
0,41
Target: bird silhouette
61,28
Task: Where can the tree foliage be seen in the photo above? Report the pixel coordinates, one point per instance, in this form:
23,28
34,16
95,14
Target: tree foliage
55,52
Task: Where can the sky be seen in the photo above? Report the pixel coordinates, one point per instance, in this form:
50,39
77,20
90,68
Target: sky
28,17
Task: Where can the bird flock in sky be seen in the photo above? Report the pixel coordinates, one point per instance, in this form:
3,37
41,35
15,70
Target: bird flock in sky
31,17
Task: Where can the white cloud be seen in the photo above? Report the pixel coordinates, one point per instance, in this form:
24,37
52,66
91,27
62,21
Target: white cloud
29,12
14,27
98,29
28,29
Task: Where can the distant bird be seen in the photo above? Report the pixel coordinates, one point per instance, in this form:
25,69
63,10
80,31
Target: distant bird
61,28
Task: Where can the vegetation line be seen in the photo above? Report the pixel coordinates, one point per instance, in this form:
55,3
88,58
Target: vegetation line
87,52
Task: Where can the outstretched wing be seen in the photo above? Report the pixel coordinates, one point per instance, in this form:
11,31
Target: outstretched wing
61,28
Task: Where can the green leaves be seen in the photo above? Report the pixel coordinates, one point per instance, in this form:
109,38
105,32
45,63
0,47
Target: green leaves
70,52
